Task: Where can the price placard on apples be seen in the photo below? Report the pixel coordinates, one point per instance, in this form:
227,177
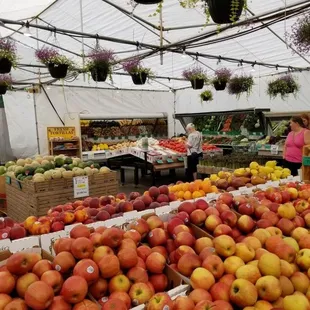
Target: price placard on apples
80,186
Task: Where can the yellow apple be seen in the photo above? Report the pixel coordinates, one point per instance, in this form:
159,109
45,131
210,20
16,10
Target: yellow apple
224,245
252,242
232,263
298,232
286,286
261,234
278,303
300,282
287,211
253,263
245,252
303,259
248,272
268,288
243,293
263,305
202,278
269,264
292,242
296,302
286,268
274,231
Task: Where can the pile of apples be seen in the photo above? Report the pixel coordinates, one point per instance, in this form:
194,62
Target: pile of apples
86,211
263,270
106,263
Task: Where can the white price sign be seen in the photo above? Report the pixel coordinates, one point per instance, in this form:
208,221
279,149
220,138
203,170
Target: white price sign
274,149
91,155
80,186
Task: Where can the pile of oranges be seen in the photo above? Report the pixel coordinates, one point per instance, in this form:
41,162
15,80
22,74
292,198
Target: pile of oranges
193,190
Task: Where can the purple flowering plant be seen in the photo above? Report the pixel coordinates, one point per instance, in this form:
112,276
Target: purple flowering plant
240,84
47,55
283,86
222,75
5,80
100,58
8,51
134,66
300,36
195,73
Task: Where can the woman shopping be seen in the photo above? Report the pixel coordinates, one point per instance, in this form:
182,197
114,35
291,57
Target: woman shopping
295,141
194,151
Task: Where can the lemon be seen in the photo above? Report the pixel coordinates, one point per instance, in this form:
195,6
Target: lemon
271,163
254,165
254,172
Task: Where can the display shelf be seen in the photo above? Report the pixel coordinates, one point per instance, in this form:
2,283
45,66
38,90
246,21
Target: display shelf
67,147
111,130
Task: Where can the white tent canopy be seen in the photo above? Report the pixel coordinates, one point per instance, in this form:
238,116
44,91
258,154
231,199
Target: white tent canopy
125,25
254,45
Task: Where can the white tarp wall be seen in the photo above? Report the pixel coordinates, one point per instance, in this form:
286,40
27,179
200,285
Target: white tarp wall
19,108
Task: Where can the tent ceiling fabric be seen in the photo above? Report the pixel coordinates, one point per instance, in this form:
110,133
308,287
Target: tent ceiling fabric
103,17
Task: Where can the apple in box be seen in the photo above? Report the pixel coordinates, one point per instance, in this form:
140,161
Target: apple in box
226,198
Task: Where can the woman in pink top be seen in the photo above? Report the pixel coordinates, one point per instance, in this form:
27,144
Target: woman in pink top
296,139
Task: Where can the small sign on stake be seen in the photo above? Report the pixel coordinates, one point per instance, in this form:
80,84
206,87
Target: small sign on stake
80,186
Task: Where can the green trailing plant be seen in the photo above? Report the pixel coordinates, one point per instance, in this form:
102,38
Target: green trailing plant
283,86
8,51
240,84
206,95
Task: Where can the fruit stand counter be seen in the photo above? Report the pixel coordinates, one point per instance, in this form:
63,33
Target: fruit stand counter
25,198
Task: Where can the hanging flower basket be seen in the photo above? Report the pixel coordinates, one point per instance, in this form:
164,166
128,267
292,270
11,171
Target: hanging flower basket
300,36
206,95
5,83
225,11
138,73
58,65
3,89
240,84
221,79
196,76
148,1
283,86
7,55
58,71
139,78
5,66
100,64
197,83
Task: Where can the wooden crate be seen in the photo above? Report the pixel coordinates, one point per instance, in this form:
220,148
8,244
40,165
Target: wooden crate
29,198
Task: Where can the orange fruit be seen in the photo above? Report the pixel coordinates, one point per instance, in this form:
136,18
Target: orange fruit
187,195
214,189
180,194
184,187
197,194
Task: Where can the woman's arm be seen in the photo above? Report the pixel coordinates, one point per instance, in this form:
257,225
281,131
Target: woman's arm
284,151
307,137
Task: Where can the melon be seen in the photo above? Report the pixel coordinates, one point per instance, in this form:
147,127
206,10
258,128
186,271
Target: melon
68,160
21,162
59,162
95,170
11,168
76,160
104,170
82,165
39,170
61,169
2,170
68,174
39,159
88,171
35,164
10,174
9,164
28,160
48,175
56,174
38,179
18,170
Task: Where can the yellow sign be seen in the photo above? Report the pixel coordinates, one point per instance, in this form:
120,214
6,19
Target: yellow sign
66,133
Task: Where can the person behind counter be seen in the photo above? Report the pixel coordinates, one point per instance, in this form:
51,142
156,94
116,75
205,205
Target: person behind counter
306,120
295,141
194,151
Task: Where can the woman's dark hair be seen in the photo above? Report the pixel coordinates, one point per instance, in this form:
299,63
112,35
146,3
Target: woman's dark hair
298,120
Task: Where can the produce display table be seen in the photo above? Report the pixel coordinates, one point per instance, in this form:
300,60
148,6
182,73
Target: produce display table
25,198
